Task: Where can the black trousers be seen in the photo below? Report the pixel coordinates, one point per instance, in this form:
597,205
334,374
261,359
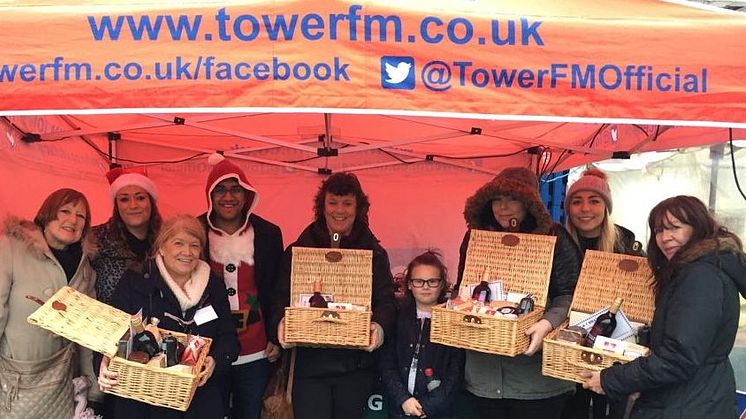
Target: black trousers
579,406
550,408
341,396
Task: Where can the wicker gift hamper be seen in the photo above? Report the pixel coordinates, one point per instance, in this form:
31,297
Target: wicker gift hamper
603,277
523,262
97,326
347,275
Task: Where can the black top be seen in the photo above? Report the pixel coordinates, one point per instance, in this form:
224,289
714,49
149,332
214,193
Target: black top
69,258
624,244
139,247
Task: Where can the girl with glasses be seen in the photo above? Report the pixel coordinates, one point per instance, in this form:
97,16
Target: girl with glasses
422,378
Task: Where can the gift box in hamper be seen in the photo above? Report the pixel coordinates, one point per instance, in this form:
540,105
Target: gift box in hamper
344,278
100,327
517,264
604,278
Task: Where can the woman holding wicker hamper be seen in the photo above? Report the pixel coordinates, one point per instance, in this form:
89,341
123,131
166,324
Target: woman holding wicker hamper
506,387
422,378
36,260
335,383
175,285
588,204
699,270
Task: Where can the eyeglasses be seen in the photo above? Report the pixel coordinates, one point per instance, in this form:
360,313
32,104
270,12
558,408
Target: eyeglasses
419,283
222,190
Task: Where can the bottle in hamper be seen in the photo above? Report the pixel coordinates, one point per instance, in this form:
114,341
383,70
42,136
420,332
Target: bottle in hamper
317,300
605,323
482,291
143,340
152,327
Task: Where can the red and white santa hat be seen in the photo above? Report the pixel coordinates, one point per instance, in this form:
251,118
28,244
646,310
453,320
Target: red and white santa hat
119,177
223,169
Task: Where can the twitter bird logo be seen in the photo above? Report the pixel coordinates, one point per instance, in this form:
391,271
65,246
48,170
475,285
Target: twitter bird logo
397,72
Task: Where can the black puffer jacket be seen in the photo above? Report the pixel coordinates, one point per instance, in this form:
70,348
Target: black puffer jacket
447,364
312,362
688,375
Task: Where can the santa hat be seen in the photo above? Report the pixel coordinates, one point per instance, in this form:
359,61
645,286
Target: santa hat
223,169
120,177
593,180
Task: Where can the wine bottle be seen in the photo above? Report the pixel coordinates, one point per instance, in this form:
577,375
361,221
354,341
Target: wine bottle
153,328
143,340
170,346
483,287
317,300
605,323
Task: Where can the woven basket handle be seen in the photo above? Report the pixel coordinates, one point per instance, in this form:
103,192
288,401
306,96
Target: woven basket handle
469,321
330,317
585,365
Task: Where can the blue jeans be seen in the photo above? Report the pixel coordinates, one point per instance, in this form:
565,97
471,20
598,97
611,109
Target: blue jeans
245,386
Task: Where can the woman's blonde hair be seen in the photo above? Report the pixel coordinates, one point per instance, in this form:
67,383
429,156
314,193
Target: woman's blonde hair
177,224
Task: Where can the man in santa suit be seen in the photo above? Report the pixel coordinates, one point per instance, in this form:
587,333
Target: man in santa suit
245,250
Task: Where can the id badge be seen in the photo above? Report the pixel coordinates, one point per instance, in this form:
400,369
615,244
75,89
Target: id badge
205,315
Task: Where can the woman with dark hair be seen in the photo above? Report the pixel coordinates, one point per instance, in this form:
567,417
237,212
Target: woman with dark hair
699,269
506,387
36,260
422,378
125,240
335,383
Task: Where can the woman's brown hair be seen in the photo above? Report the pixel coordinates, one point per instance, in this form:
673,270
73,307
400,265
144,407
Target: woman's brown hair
56,200
692,212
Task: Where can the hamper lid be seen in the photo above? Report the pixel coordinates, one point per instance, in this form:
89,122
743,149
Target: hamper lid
345,273
605,276
83,320
523,262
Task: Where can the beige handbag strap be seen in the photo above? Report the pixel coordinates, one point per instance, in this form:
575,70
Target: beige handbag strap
291,373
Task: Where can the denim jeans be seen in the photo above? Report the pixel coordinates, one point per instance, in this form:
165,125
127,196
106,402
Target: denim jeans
245,385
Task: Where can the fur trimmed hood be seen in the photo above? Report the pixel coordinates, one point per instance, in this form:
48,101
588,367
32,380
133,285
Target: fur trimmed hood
726,254
517,182
31,235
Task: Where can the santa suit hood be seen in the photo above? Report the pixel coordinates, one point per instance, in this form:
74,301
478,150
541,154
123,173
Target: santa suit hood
224,169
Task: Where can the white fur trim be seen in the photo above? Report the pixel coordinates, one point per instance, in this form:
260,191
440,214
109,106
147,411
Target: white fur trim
232,248
136,179
191,293
252,205
215,158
